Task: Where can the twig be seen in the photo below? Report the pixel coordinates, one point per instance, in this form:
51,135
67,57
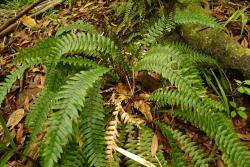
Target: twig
19,15
43,7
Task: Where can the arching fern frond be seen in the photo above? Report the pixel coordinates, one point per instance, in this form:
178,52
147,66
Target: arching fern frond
198,156
127,15
89,44
186,100
167,62
79,25
39,111
177,157
72,156
195,14
144,145
69,101
91,124
221,130
139,142
131,145
13,76
157,30
79,62
10,80
41,50
199,59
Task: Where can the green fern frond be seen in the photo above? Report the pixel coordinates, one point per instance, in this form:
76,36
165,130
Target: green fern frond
131,145
91,43
13,76
141,8
79,25
195,14
72,156
91,123
39,111
10,80
70,100
177,157
187,100
127,16
166,61
79,62
128,10
157,30
41,50
145,140
198,156
221,130
199,59
227,160
38,115
140,144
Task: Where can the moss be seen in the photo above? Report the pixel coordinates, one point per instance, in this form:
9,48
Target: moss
218,44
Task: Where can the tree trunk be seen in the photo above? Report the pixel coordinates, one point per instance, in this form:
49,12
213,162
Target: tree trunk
217,43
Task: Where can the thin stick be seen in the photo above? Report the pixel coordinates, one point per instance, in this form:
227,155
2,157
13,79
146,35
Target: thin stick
19,15
51,4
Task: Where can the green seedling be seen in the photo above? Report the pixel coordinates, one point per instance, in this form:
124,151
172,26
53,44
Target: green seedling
239,15
240,111
243,86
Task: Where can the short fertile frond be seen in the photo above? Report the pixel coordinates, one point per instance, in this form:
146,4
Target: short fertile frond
221,130
195,14
72,156
177,157
127,15
91,124
198,156
157,30
69,101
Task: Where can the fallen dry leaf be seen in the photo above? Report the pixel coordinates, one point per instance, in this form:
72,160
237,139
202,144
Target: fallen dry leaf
244,43
144,108
15,118
245,137
154,145
19,135
220,163
122,89
39,80
26,103
28,21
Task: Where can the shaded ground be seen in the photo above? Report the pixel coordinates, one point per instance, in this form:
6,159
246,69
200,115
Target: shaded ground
18,101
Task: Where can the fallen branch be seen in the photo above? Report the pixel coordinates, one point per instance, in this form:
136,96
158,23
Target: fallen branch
19,15
44,6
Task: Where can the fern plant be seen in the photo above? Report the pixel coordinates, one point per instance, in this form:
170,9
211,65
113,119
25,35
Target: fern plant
86,121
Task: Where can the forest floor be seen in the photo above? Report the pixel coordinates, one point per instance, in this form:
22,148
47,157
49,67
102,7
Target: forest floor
30,30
